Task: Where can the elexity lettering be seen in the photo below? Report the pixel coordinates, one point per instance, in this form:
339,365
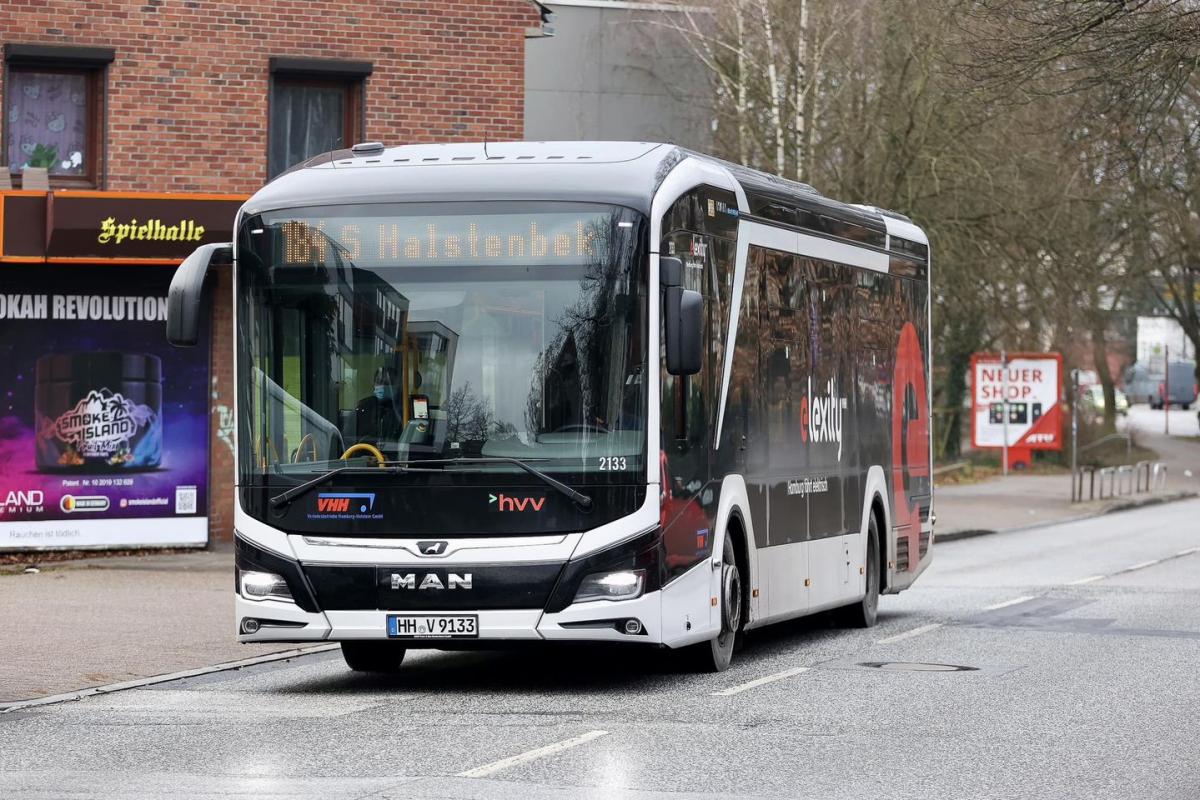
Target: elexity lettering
821,415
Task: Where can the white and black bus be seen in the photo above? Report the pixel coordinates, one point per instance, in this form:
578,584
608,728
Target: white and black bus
614,392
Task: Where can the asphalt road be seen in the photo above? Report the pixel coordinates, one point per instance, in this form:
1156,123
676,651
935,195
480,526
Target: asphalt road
1083,641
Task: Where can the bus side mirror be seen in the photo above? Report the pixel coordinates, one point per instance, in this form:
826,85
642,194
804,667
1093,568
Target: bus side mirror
683,316
186,295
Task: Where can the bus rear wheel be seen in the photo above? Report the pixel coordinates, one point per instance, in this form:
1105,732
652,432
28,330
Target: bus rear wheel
864,613
372,656
716,654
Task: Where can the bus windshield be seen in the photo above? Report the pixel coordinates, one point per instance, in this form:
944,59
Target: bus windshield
442,331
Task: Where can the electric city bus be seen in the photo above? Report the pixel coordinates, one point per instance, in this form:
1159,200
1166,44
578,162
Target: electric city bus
578,391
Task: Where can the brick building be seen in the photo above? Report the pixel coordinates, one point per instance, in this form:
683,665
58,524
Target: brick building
160,111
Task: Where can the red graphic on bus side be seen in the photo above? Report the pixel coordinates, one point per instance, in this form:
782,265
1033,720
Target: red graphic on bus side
910,436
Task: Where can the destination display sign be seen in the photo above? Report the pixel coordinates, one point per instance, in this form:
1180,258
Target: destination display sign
575,238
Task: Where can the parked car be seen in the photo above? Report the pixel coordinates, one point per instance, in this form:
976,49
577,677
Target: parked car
1181,385
1093,398
1140,385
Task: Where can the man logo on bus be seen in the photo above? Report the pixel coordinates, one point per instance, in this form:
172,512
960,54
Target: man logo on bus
821,415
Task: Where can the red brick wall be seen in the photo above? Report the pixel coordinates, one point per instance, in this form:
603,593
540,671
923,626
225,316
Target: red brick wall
188,89
187,100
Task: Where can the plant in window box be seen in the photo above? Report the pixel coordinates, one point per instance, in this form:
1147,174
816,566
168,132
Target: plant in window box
43,156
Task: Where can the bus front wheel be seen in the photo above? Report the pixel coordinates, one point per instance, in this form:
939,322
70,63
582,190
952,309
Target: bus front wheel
715,654
373,656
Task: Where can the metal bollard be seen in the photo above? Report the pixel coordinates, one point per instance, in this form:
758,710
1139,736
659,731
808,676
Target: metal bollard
1142,468
1125,479
1078,483
1160,476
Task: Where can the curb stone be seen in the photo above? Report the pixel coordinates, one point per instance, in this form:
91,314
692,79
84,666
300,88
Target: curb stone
1129,505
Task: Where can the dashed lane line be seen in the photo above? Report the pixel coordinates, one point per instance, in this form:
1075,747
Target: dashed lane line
1135,567
778,676
531,755
909,634
1007,603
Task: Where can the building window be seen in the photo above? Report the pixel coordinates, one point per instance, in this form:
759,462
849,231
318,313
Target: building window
53,98
316,106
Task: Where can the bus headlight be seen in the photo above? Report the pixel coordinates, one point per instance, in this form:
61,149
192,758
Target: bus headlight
624,584
261,585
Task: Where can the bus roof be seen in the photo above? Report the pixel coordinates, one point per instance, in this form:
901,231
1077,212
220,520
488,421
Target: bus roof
620,173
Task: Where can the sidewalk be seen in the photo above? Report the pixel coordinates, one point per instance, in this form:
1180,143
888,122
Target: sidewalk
1021,501
92,622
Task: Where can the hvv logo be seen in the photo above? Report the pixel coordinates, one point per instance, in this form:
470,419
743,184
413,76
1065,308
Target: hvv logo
341,503
503,502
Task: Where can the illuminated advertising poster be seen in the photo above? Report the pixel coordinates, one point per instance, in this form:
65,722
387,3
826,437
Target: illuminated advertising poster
1033,383
103,425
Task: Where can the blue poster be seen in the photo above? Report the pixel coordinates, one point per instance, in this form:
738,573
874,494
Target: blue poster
104,427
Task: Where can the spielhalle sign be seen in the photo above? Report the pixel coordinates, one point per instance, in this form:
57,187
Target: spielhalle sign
78,226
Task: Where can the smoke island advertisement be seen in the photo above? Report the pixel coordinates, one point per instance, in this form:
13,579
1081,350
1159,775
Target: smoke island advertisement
103,425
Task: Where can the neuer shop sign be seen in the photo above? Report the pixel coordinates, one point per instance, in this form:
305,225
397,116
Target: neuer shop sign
76,226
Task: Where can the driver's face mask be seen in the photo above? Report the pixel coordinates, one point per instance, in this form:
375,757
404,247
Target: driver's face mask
382,391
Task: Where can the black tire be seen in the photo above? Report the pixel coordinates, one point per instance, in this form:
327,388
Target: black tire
1186,406
716,654
381,657
864,613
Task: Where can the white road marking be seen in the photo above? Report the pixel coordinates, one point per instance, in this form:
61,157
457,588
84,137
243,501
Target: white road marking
1143,565
909,634
171,676
1008,603
531,755
778,676
1088,579
1188,552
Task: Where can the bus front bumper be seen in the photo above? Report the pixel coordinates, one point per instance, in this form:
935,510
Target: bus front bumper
332,601
594,621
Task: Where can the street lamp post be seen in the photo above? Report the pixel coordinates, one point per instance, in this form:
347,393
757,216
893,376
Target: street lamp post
1075,436
1004,405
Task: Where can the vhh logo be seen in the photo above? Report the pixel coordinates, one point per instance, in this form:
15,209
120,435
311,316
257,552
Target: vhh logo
333,505
504,502
340,503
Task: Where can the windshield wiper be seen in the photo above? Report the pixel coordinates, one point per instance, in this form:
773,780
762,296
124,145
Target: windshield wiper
283,498
579,497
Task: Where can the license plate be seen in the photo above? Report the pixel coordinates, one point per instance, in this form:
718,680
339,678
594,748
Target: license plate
425,626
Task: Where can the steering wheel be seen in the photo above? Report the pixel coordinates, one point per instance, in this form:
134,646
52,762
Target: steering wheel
363,447
583,426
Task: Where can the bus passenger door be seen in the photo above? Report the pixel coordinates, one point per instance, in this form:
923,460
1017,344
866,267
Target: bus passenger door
785,366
